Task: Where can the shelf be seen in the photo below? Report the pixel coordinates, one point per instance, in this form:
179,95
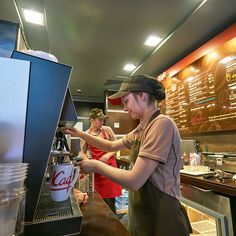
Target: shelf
122,211
123,159
204,227
60,153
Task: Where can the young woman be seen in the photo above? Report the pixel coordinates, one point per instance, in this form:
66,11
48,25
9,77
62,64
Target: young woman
107,189
154,179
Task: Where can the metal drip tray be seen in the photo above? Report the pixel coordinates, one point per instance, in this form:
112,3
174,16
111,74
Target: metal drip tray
55,218
49,210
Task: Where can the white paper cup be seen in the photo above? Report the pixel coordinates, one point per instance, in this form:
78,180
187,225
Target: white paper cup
62,180
14,166
12,176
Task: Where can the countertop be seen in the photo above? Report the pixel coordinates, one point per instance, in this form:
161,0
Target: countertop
225,187
99,220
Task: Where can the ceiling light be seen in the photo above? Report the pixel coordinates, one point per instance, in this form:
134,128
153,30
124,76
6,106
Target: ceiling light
129,67
233,87
152,41
189,79
33,17
227,59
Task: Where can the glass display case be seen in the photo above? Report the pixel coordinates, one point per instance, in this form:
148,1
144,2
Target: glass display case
208,212
203,223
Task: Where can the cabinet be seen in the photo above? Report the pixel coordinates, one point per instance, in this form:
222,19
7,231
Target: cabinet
208,212
202,223
11,38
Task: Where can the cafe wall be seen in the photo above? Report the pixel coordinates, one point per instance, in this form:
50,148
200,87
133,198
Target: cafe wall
201,96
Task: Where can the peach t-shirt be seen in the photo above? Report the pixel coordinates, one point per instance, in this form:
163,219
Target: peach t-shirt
160,141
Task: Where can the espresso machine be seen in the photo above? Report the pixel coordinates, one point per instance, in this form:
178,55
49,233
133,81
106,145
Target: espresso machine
49,108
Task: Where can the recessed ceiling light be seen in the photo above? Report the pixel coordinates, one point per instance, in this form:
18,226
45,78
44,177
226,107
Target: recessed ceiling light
129,67
152,41
226,59
33,17
232,87
189,79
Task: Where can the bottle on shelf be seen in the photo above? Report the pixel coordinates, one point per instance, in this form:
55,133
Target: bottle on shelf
185,158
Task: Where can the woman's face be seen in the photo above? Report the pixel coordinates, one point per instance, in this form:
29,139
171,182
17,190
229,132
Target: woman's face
97,123
133,105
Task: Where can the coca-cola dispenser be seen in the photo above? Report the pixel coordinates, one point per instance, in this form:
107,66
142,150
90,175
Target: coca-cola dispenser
49,106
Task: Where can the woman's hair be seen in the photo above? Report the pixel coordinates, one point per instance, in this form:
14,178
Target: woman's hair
151,98
150,85
154,88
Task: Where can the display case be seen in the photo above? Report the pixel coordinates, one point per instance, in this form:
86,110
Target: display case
208,212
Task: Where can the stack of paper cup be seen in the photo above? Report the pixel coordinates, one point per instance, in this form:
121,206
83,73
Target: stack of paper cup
12,197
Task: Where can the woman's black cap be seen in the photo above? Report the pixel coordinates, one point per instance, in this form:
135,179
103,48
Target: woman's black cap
139,83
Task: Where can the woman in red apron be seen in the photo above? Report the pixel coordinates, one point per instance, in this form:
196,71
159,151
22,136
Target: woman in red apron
107,189
154,176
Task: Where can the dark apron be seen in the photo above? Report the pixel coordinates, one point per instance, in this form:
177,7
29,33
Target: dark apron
153,212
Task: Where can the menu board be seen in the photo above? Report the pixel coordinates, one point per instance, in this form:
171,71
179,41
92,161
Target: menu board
202,96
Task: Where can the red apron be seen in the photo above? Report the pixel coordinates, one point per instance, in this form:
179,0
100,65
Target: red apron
103,186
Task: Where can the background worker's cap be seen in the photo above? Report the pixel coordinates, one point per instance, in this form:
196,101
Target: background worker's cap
97,113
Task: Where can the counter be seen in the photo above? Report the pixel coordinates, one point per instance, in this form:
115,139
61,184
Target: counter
225,187
99,220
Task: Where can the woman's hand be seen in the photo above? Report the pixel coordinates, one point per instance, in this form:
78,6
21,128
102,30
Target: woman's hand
74,132
88,166
80,197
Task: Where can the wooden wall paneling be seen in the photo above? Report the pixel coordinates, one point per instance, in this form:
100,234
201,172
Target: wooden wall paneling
126,124
215,142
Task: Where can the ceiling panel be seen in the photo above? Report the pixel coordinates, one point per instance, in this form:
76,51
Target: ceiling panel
98,37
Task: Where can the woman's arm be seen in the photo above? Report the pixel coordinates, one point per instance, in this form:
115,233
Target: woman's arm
132,179
106,145
84,148
107,156
110,135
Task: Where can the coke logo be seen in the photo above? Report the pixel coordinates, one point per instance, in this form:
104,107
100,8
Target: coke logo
60,181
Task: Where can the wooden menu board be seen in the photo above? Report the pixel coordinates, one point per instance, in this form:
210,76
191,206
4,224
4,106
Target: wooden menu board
202,96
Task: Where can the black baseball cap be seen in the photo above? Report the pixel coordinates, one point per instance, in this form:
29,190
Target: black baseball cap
139,83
